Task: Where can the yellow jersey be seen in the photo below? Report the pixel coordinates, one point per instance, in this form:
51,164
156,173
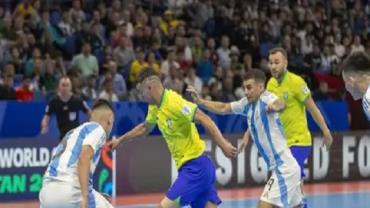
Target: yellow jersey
294,91
175,120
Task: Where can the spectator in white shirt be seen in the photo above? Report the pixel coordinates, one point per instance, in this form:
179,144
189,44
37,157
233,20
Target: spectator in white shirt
223,53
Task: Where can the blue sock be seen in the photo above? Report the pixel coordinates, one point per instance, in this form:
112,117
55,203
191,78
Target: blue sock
304,203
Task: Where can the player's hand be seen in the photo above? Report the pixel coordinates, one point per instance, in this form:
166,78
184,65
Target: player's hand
328,139
244,143
270,108
113,144
83,203
229,150
44,129
194,94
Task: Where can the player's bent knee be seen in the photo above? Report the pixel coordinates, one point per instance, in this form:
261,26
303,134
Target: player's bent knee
168,203
263,204
210,205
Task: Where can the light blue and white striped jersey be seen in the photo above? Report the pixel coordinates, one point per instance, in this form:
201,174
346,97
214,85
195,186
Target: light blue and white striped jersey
63,165
266,130
366,103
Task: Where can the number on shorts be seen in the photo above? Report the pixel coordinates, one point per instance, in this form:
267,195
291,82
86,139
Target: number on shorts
270,182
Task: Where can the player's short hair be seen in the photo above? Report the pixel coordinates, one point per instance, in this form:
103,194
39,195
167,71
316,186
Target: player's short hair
102,103
146,73
256,74
64,77
356,62
278,50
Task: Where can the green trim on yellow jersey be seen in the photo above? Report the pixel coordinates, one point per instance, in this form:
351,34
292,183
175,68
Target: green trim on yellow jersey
195,111
285,75
162,96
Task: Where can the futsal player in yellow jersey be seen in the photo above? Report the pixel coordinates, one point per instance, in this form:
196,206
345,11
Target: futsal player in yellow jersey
176,119
294,91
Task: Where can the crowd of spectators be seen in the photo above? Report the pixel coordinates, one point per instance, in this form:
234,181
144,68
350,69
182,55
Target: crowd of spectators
103,44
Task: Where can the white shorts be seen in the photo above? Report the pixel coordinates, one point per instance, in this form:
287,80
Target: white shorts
62,195
283,189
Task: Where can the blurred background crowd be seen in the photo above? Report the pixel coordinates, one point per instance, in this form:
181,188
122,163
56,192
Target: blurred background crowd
101,45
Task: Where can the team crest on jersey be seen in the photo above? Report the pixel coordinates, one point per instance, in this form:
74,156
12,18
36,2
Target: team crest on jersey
285,95
169,122
305,89
72,116
186,110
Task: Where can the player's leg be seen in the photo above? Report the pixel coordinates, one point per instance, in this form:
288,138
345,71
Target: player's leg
194,185
271,194
209,197
99,200
187,186
181,192
68,198
289,175
301,154
283,187
211,205
263,204
168,203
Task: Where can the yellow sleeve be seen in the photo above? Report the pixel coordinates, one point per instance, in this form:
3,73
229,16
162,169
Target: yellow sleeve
301,90
151,116
185,109
269,86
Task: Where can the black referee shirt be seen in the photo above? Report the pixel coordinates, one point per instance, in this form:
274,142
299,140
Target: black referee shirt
67,113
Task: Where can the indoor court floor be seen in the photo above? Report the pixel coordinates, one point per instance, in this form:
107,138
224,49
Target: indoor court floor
320,195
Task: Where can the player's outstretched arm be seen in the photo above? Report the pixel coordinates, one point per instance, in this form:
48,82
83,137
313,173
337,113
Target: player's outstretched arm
319,119
83,168
245,141
276,106
140,130
228,149
217,107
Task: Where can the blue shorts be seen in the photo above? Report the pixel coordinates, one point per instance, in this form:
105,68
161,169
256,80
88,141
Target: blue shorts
301,153
195,184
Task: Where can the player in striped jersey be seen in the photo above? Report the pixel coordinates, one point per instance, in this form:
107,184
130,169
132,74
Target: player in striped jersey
67,181
356,75
261,109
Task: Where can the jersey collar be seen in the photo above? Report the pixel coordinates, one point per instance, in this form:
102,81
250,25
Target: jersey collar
285,75
163,96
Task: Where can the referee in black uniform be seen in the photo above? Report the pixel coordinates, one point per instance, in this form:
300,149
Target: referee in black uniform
66,107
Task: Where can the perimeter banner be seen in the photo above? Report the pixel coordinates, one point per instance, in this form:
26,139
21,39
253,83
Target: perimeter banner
144,165
24,161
